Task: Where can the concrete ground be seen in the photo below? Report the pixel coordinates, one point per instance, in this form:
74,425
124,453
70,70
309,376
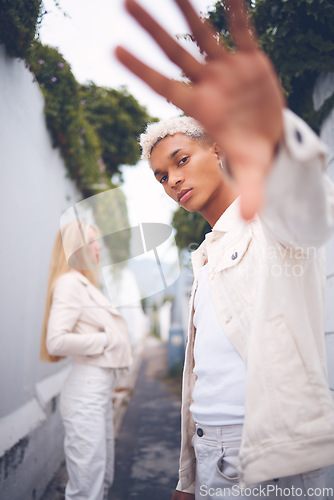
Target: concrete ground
147,428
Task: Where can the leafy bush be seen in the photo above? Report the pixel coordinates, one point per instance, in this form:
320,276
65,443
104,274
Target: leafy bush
191,229
18,22
65,117
95,128
118,119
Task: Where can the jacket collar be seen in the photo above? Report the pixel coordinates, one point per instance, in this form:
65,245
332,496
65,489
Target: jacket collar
98,297
230,220
81,277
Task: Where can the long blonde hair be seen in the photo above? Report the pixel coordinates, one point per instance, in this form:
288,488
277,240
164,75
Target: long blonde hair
68,247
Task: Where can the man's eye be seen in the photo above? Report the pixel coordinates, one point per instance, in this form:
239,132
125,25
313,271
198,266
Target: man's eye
183,160
163,179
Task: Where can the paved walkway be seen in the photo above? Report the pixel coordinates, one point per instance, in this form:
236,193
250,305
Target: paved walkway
148,442
147,429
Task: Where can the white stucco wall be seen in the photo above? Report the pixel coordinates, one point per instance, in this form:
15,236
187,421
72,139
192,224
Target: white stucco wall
34,192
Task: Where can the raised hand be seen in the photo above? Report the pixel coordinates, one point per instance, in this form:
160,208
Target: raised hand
179,495
235,95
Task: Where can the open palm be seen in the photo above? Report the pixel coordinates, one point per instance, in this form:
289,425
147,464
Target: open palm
235,95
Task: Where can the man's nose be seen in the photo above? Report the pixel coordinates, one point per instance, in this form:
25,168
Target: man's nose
175,179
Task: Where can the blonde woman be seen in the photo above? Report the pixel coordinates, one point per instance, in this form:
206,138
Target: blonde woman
80,322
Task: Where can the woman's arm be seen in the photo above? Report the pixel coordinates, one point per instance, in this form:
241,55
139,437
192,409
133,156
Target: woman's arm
67,306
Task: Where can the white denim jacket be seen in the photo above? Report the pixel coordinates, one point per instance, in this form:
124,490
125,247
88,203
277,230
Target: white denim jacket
267,279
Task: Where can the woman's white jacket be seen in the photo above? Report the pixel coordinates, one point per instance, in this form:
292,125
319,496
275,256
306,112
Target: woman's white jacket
79,315
267,280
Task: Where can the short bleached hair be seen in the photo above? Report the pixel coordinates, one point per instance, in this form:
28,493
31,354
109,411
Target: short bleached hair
159,130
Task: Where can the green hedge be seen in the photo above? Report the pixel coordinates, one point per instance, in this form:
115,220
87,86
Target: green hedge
95,128
65,117
18,23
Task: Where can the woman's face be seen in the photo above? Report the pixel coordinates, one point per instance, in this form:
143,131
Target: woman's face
93,247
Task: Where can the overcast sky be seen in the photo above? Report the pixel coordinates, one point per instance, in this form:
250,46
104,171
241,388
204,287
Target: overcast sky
87,37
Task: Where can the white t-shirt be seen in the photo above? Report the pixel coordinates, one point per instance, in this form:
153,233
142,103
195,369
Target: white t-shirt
219,392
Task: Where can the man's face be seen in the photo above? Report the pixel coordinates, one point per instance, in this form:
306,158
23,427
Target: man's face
188,170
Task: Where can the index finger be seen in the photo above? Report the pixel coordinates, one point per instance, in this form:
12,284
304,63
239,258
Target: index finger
240,26
176,53
174,91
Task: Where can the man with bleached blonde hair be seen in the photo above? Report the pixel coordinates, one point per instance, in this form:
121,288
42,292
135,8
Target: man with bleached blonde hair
257,414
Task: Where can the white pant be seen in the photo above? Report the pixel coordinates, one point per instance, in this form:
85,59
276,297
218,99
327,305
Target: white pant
86,411
216,473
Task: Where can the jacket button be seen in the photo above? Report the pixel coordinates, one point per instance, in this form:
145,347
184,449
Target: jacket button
234,255
200,432
299,136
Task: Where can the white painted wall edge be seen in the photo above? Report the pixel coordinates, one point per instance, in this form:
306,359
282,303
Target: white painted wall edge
50,386
25,419
19,424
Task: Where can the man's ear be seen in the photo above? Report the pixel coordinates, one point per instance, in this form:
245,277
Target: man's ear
217,150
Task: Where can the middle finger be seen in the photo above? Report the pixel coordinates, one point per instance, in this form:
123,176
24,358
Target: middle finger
204,34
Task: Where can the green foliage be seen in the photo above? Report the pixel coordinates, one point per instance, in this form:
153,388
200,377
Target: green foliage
96,129
118,119
111,217
65,117
298,36
191,229
18,21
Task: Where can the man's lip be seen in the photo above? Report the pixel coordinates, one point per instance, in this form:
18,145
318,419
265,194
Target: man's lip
182,194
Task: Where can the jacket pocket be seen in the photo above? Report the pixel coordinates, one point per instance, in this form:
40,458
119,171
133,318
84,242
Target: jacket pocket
234,250
314,482
236,273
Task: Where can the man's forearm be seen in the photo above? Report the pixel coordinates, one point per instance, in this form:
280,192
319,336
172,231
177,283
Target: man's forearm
299,208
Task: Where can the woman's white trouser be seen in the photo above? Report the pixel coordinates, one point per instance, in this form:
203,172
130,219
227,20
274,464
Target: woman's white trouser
86,411
217,449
